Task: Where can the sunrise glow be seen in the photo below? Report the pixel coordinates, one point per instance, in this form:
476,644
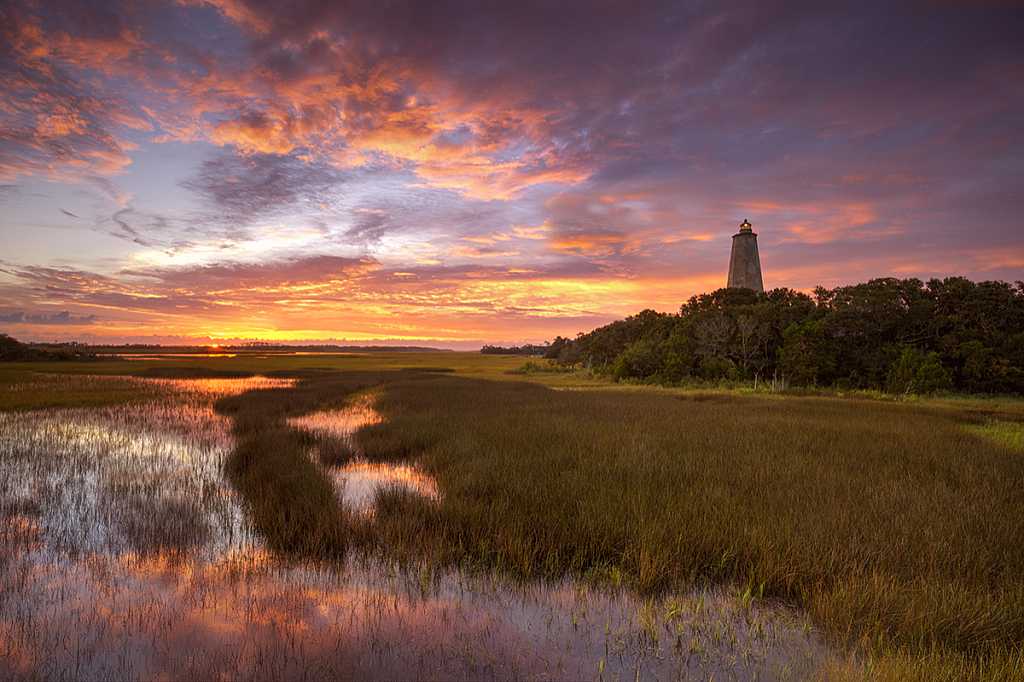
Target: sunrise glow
459,173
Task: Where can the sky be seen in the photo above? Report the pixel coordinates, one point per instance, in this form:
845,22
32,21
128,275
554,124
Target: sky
462,172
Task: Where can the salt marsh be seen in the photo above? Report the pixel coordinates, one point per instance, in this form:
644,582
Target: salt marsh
127,554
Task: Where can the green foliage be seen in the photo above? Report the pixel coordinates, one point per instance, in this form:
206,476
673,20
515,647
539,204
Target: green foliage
13,350
716,369
640,359
808,353
674,368
527,349
970,337
556,348
916,372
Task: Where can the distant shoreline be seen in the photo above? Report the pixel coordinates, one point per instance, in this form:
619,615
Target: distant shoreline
137,349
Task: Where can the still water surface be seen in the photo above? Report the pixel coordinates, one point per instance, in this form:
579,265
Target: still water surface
125,554
356,482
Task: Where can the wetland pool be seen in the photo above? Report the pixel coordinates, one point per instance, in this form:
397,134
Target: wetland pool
356,482
125,554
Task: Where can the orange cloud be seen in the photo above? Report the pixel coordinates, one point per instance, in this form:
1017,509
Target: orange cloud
823,223
255,135
321,297
344,105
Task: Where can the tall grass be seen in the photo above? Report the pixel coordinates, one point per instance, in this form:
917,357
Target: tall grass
893,525
22,390
288,495
896,526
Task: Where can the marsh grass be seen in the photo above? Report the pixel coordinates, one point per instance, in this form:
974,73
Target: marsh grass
334,452
290,501
142,478
893,525
22,390
1010,434
896,528
290,497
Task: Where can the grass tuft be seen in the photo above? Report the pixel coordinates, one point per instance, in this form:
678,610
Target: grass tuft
291,502
289,495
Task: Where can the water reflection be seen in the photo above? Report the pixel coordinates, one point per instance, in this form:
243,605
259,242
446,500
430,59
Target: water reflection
130,477
162,356
247,618
125,555
357,482
338,423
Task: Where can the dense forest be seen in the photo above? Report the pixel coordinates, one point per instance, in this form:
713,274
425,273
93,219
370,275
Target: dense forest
896,335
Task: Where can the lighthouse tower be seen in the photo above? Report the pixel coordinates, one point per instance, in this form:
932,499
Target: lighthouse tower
745,265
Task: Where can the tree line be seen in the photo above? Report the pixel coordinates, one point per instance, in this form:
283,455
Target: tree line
13,350
526,349
896,335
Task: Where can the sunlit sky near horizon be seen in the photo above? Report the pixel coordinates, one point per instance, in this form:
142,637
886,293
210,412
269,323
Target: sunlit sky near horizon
458,173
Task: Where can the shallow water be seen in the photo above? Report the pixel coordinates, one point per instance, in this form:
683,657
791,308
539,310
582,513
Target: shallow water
125,554
247,618
128,478
356,483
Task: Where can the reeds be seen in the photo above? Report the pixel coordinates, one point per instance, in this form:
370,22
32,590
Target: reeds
289,499
289,496
895,527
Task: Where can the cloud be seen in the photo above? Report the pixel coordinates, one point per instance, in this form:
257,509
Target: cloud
249,279
590,228
603,147
489,101
324,290
57,125
62,318
265,184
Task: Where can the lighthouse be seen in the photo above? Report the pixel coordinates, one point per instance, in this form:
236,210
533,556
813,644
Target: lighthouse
744,264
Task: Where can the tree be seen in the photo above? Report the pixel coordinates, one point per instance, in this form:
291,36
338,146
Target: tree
640,359
714,336
556,348
808,353
11,348
677,358
916,372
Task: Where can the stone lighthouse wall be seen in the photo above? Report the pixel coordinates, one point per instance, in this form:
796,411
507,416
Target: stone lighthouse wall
745,265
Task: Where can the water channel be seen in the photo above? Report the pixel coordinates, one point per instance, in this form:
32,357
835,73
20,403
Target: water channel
124,553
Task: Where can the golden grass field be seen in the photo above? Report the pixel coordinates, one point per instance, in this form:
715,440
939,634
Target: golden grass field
894,526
